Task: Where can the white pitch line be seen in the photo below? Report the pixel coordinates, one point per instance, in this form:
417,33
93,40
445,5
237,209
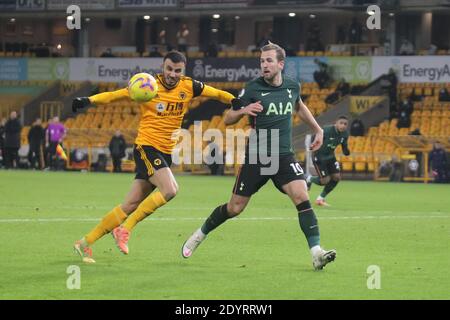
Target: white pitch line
208,209
237,219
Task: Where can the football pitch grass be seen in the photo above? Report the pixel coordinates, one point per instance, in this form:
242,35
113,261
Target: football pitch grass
403,229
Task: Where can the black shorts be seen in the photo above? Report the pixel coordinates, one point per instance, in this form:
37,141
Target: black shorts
148,160
326,167
250,179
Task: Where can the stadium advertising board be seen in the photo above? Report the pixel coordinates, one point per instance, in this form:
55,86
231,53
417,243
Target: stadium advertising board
111,70
353,69
13,69
215,3
302,69
413,68
287,2
360,104
223,70
8,5
25,5
146,3
48,69
83,4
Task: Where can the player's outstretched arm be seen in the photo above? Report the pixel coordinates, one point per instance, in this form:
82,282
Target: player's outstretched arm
238,111
308,118
232,116
101,98
216,94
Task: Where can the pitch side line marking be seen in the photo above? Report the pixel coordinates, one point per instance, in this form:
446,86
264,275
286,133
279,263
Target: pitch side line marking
236,219
208,209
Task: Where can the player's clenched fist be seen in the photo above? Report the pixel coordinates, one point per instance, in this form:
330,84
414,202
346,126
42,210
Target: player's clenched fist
80,103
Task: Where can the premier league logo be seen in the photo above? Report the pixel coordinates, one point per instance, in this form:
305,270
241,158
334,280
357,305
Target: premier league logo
160,107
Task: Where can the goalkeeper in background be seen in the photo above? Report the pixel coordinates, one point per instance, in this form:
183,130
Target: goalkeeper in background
324,160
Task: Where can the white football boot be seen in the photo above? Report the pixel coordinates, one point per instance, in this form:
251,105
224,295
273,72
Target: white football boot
192,243
322,258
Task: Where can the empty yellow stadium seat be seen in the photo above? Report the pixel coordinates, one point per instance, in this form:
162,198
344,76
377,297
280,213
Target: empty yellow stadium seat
360,163
347,163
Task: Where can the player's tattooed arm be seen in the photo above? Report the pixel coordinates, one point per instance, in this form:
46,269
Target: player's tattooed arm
308,118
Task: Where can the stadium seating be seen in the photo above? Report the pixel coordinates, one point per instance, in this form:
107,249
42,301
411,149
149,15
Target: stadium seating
323,53
430,116
15,94
97,124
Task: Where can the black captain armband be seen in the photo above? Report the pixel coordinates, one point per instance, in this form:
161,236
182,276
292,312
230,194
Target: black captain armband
197,87
237,104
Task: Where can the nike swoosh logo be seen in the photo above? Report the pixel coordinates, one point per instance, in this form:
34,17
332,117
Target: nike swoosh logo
265,93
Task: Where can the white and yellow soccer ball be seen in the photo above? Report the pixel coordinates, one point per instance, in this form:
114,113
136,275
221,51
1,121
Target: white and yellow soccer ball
142,87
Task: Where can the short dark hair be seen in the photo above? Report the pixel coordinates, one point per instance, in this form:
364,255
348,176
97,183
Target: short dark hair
281,54
175,56
342,117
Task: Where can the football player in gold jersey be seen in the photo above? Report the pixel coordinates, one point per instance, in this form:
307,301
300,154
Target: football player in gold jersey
161,119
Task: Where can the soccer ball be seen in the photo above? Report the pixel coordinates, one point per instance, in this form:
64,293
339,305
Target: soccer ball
142,87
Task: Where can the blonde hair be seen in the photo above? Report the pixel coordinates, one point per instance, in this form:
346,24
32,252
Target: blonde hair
281,54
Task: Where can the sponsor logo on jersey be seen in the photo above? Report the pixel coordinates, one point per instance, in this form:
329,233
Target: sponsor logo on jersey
280,109
172,109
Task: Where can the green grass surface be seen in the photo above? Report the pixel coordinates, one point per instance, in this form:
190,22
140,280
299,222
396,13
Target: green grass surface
402,228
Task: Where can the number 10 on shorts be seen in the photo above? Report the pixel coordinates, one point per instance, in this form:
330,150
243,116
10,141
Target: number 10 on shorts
297,168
